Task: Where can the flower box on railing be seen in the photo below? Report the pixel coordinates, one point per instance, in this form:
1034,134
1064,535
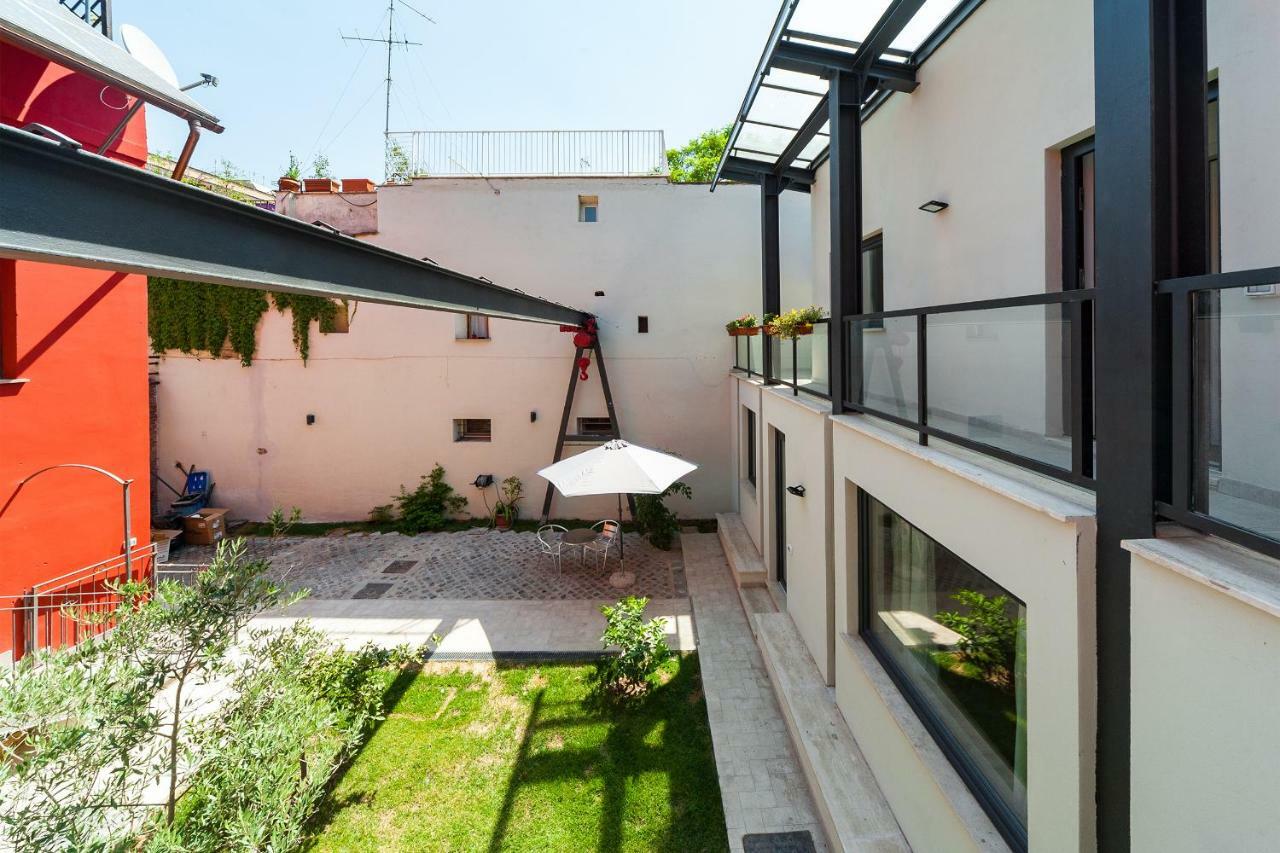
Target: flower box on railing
744,332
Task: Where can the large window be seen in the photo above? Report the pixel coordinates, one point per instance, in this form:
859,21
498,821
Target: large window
873,274
954,642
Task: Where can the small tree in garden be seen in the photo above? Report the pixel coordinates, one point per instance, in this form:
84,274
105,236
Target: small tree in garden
697,160
430,505
642,649
655,520
108,724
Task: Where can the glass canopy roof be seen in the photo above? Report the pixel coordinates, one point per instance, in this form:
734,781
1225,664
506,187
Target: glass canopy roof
784,93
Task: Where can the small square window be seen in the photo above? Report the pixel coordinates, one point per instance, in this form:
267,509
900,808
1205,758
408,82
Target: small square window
475,327
472,429
642,324
588,208
595,426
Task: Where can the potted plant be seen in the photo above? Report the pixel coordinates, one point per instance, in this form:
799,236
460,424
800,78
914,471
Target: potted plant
508,510
766,323
747,325
796,322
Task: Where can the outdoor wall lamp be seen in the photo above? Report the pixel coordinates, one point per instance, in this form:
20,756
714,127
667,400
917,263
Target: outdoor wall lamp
934,206
798,491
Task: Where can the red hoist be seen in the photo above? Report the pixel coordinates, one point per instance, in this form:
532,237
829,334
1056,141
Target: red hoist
586,339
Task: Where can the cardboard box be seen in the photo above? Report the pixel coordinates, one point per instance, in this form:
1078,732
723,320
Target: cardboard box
206,527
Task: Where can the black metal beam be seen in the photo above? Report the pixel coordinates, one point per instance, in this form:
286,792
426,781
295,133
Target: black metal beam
770,261
760,168
892,22
1149,72
811,59
63,205
844,351
808,130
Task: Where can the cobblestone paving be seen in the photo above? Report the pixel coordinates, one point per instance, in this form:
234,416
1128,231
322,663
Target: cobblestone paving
472,565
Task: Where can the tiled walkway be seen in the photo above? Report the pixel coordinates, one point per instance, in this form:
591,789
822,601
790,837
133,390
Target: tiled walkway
761,783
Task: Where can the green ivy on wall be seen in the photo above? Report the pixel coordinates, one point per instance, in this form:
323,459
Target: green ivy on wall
194,317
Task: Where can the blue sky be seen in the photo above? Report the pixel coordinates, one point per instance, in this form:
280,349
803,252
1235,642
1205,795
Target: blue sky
288,82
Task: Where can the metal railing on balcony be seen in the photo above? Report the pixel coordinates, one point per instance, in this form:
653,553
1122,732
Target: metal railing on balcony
1223,467
64,610
799,363
1010,378
499,153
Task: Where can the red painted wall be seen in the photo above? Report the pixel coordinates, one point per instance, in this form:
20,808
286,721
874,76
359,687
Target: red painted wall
79,336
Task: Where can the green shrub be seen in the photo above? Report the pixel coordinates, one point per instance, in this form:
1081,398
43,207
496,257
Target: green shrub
302,706
642,649
430,505
655,520
988,635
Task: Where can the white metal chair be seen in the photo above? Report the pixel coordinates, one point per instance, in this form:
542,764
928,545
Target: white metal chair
608,535
549,543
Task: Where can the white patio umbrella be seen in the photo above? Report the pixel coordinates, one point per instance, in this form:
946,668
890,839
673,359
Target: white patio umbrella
619,468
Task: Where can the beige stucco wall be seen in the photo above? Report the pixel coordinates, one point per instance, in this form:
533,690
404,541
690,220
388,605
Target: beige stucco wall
1206,689
1037,545
805,423
385,394
745,394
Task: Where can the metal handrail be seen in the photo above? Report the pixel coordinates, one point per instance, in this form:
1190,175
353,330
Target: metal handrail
510,153
1081,413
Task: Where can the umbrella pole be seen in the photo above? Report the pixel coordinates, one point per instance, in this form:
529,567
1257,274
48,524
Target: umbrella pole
622,540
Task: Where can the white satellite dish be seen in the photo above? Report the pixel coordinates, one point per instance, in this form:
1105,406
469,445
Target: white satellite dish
143,49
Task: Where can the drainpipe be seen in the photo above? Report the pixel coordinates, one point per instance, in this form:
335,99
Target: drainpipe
188,148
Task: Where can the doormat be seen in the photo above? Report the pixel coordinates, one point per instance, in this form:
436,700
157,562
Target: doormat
779,842
372,590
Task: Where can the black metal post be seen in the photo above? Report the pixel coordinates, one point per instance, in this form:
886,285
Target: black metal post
1150,93
844,100
922,375
770,261
564,429
613,413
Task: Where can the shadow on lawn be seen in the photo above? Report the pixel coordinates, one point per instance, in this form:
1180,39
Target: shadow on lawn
689,765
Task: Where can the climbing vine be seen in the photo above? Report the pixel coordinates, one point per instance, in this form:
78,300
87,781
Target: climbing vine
193,317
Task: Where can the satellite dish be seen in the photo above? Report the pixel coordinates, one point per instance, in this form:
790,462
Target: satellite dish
143,49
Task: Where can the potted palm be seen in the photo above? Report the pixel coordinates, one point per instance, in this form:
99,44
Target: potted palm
745,326
508,510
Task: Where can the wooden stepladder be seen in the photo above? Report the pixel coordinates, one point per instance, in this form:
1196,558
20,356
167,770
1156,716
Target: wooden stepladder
577,374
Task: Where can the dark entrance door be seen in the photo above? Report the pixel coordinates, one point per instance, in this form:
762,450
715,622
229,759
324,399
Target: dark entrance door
780,506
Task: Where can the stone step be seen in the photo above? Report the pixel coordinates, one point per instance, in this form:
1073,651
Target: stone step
849,800
744,560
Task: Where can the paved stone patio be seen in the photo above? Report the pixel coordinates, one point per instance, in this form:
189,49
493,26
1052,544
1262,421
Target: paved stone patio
474,564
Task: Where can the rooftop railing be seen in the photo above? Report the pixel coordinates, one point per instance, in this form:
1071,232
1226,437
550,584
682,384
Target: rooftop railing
508,153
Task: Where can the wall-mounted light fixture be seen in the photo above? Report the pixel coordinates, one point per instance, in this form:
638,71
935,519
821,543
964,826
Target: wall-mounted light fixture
798,491
934,206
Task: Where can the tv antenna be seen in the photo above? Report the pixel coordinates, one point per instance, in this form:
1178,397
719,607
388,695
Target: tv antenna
391,42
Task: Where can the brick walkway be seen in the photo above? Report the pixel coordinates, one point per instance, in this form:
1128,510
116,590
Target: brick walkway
761,783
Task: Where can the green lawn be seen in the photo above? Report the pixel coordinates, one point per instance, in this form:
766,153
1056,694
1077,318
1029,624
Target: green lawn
520,757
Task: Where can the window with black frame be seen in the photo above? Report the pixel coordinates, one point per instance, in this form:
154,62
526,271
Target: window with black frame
954,641
749,444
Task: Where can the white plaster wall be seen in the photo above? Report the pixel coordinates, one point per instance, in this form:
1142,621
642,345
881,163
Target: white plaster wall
745,394
385,395
1205,689
805,423
986,141
1039,547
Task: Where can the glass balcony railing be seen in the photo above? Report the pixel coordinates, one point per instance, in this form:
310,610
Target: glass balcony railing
1224,469
1005,377
801,363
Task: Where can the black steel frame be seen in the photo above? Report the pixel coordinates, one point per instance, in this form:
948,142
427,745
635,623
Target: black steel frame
1075,303
64,205
1010,827
1185,502
776,378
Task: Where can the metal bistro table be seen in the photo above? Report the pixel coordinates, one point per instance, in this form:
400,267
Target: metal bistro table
580,538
